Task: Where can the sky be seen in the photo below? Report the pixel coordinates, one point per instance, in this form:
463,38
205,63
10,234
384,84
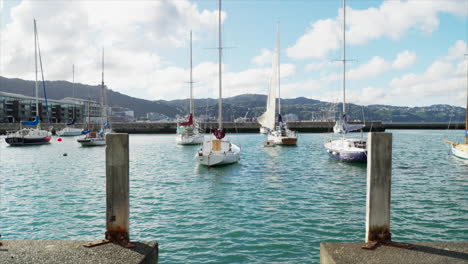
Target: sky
403,53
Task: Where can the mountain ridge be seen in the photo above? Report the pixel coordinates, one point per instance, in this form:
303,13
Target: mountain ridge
249,106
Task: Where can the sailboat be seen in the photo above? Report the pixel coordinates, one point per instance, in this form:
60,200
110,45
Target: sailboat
458,149
188,133
346,149
218,151
278,133
93,137
69,130
31,136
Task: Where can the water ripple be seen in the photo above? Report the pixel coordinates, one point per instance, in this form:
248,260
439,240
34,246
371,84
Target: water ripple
275,206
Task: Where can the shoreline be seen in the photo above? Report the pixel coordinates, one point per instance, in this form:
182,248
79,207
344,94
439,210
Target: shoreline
251,127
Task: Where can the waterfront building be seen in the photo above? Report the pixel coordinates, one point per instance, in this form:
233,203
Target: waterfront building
122,114
18,107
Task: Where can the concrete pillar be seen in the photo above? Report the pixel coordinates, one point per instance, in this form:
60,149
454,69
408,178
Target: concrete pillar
117,188
379,174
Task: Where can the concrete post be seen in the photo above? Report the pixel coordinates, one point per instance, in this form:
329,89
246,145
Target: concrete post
117,188
379,174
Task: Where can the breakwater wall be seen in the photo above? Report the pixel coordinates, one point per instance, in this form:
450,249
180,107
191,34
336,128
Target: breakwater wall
170,127
247,127
423,125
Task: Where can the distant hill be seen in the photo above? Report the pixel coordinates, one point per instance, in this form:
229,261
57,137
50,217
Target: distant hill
246,105
62,89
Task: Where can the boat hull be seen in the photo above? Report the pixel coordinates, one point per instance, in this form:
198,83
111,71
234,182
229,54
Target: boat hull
23,141
28,136
269,144
195,139
91,142
460,151
218,158
338,150
69,132
352,157
283,140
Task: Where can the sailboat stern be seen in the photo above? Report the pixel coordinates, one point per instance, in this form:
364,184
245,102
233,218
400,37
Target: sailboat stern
217,152
347,150
460,150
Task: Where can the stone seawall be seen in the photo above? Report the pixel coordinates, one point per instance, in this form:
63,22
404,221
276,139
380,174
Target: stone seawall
424,125
170,127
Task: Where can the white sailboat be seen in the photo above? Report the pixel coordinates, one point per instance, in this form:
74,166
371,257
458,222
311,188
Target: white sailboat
263,130
278,133
98,138
218,151
460,150
31,136
70,131
188,133
346,149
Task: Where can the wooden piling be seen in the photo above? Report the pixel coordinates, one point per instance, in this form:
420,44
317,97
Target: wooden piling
379,174
117,188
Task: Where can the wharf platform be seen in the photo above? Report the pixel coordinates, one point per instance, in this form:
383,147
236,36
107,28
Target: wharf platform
73,252
421,253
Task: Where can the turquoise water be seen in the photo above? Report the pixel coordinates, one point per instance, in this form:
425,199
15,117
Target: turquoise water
275,206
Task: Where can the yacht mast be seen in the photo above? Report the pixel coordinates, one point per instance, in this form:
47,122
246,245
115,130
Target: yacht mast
279,73
192,110
344,57
103,90
220,100
73,90
466,114
73,80
35,63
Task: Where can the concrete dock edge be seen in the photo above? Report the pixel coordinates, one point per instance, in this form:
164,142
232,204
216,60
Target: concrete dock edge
421,253
73,252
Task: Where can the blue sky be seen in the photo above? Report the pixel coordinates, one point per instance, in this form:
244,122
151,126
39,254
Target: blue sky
403,52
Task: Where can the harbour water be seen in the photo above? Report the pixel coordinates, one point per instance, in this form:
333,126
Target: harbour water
275,206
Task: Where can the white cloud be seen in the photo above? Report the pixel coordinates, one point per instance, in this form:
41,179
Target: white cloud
321,38
404,59
265,57
253,80
457,51
374,67
320,65
307,88
169,83
441,83
439,79
393,19
134,34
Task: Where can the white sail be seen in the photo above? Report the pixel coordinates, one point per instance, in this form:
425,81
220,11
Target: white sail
267,119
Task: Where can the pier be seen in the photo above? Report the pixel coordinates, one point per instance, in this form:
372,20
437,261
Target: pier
115,247
420,253
379,246
73,252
